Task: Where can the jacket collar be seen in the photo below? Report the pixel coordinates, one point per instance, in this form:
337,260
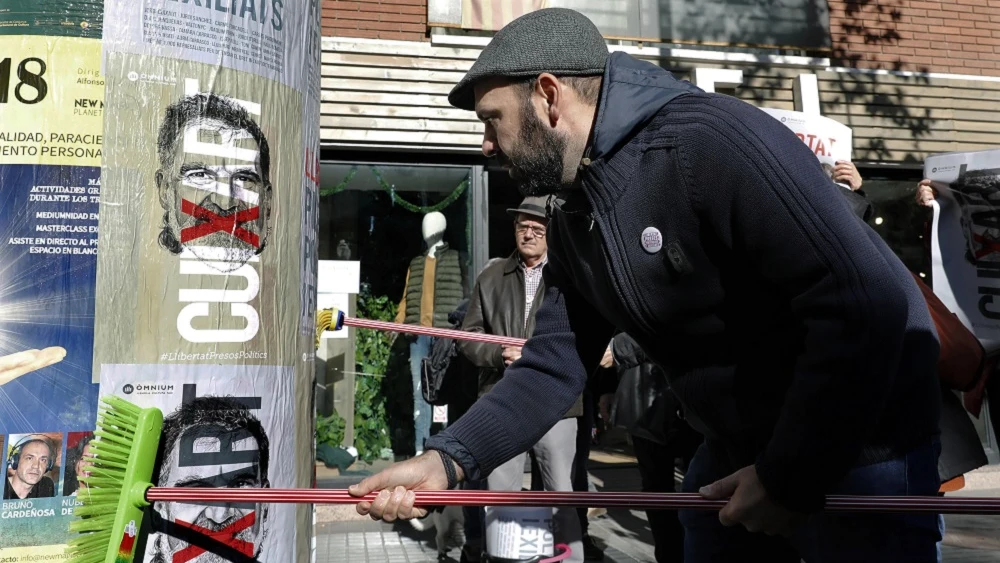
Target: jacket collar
440,249
514,263
632,92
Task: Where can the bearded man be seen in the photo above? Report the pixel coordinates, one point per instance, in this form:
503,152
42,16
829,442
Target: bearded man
797,342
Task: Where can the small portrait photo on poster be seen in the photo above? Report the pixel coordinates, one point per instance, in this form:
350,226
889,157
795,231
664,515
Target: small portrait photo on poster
32,466
78,462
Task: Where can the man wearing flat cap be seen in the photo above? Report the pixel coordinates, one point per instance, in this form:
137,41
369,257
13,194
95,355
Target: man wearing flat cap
798,343
504,302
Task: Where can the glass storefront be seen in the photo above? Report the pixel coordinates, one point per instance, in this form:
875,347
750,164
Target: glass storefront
372,213
373,221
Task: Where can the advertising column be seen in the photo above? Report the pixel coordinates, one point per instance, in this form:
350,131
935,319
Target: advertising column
51,116
206,257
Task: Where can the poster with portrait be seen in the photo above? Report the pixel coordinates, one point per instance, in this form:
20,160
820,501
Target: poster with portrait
965,240
223,426
208,220
51,128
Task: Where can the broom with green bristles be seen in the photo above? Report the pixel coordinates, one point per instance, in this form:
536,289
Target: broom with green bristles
124,451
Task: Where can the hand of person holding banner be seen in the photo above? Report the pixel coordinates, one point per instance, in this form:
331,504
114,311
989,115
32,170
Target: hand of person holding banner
608,360
13,366
844,172
926,193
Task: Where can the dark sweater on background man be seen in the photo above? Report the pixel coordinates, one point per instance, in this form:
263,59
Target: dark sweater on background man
792,334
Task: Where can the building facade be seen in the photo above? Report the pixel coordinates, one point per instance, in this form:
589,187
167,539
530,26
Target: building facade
910,78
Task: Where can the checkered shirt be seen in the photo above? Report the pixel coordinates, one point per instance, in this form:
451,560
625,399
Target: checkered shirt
532,279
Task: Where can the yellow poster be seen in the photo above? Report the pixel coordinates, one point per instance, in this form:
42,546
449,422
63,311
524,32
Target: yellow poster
51,101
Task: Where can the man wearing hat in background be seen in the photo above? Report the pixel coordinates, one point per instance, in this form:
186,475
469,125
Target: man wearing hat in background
504,302
798,343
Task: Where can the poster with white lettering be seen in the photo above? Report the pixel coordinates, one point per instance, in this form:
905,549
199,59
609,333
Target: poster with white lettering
223,426
51,100
965,241
829,140
51,123
208,217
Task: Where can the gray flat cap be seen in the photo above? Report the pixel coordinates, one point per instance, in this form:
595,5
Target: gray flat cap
532,205
556,40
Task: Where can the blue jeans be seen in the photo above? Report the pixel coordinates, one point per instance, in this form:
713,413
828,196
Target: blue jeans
422,411
824,537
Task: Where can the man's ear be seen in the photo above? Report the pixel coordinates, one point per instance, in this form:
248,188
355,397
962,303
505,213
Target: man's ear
162,190
551,90
266,204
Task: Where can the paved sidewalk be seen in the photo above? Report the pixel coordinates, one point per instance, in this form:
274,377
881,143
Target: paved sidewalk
345,537
365,541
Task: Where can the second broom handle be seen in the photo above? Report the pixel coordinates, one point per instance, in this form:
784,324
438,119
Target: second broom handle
431,331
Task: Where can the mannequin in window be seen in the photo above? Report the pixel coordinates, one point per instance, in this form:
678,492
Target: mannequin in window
435,285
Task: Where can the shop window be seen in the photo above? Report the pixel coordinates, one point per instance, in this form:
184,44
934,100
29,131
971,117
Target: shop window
372,226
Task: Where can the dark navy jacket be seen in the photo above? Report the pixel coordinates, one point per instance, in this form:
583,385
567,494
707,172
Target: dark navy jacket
792,333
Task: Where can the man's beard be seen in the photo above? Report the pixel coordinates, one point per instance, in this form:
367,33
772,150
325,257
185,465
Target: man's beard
162,552
536,163
230,251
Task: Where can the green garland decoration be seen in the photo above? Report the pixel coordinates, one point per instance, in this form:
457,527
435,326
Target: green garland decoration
391,190
342,185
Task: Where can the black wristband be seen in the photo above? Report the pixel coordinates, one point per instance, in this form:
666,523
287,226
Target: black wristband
449,469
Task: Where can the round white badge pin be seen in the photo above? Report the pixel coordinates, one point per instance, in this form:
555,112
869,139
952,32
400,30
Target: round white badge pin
652,240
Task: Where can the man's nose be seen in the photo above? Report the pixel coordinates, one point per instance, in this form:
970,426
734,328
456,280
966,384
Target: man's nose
489,142
217,514
489,147
227,186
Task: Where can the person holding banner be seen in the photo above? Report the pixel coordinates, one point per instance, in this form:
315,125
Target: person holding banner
845,174
989,388
797,342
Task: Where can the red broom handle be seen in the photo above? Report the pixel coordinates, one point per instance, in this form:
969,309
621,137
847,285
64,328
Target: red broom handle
431,331
669,501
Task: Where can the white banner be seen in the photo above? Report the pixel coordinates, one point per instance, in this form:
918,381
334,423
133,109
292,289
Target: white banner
965,242
829,140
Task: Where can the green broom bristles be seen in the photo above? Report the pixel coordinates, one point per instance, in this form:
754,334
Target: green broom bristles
122,466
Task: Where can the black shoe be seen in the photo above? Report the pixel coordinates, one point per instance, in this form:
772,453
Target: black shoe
470,554
590,550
